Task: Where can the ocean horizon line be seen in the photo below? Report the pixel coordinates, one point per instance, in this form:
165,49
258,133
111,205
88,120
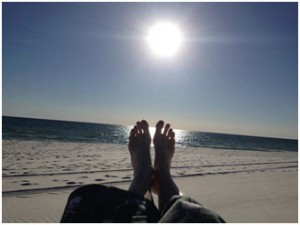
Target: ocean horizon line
101,123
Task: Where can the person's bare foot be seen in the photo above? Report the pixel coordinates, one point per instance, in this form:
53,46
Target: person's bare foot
164,145
162,182
139,148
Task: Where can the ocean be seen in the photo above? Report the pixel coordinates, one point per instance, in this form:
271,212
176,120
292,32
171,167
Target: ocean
41,129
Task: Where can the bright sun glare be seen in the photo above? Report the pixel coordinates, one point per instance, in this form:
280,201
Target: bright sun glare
164,39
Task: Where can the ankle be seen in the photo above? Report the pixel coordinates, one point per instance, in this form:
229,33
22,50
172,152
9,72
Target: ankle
142,174
163,172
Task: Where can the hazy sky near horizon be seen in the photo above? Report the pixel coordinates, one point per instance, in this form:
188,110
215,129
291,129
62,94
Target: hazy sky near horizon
236,72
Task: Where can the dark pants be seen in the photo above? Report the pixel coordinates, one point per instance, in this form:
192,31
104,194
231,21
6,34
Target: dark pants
98,203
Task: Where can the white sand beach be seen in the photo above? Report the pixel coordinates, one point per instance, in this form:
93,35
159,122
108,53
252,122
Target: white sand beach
242,186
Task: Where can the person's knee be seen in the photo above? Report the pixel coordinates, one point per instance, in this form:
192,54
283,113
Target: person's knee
186,210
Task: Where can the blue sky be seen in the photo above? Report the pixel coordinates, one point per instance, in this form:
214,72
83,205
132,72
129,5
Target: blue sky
236,72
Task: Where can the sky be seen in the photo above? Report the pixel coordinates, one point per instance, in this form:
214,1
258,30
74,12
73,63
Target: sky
236,71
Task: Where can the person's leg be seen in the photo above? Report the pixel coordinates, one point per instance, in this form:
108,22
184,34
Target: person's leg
182,209
98,203
164,145
139,148
172,206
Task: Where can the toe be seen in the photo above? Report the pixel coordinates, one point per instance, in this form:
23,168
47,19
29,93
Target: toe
172,145
159,127
169,135
145,127
173,135
167,127
145,124
135,128
139,127
131,138
132,132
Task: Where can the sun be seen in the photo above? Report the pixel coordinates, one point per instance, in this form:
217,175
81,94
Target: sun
164,39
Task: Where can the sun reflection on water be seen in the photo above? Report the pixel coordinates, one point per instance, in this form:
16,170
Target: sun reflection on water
178,133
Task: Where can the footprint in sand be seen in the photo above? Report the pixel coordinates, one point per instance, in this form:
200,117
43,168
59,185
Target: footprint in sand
71,182
107,175
99,179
